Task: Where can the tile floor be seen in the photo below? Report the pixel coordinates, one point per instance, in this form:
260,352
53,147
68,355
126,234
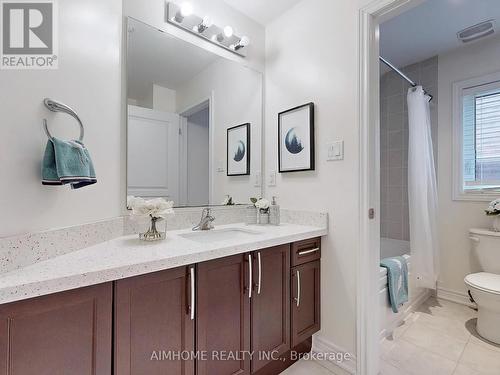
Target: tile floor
439,339
306,367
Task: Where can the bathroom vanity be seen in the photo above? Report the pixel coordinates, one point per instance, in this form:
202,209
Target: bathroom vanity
240,309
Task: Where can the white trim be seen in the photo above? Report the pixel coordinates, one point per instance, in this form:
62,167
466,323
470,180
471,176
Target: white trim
454,296
458,192
323,346
368,256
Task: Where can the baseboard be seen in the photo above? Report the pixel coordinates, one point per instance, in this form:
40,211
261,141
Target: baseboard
323,346
454,296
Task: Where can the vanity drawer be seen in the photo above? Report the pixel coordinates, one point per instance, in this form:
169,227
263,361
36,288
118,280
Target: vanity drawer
306,251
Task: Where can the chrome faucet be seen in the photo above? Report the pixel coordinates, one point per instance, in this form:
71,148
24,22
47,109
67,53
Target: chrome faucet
206,221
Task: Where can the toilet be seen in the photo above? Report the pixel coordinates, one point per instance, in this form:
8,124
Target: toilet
484,287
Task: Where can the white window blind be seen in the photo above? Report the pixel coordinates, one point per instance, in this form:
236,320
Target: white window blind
481,137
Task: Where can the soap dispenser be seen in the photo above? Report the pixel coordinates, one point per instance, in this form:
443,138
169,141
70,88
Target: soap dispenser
274,212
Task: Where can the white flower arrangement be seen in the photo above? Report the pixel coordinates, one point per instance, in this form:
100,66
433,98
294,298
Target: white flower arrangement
157,208
493,208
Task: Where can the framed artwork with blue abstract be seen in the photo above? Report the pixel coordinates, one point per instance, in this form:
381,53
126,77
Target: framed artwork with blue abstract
238,150
296,139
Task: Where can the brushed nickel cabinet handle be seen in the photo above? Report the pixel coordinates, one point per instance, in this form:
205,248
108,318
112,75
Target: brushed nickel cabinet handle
193,299
260,273
250,278
308,251
297,299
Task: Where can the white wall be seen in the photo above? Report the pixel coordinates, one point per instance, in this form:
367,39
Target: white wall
88,79
237,99
456,217
307,60
164,99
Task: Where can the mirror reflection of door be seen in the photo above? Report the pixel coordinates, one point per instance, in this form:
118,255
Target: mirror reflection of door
160,132
195,147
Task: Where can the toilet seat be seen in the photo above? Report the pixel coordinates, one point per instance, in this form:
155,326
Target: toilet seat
484,281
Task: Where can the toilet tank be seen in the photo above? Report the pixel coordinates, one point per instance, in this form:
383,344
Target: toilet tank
486,249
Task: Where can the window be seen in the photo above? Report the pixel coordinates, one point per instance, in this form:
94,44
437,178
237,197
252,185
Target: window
477,138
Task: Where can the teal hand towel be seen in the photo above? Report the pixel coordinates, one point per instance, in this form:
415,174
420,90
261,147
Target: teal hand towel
397,280
67,162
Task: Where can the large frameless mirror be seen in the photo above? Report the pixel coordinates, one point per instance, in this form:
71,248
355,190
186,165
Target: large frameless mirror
194,122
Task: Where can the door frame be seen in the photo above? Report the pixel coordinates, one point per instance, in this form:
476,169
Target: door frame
367,306
211,139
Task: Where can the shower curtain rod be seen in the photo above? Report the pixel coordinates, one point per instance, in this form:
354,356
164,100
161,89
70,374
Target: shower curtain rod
404,76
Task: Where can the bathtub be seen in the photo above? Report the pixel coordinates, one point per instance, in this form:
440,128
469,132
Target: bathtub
389,320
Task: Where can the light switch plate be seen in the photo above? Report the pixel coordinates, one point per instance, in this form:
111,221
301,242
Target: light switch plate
271,179
335,151
257,178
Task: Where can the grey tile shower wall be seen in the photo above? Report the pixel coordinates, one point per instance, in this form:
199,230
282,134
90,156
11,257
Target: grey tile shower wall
394,143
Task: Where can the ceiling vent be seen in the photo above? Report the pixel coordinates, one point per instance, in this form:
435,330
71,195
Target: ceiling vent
476,32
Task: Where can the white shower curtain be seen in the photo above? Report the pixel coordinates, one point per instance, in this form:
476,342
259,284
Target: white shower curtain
422,190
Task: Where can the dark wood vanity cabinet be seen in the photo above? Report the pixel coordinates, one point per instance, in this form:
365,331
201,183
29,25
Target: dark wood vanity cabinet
306,301
270,304
223,315
62,333
228,316
153,324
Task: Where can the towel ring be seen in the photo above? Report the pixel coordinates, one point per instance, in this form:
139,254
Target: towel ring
56,106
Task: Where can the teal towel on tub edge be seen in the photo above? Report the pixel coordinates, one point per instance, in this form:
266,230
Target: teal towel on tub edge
397,280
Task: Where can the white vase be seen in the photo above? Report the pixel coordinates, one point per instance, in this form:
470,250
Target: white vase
496,223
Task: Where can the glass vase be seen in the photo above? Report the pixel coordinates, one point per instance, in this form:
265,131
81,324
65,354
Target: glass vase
152,234
251,215
263,218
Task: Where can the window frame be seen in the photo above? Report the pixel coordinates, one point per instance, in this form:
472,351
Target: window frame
459,193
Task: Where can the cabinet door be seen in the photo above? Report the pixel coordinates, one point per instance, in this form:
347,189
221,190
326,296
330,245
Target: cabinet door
306,301
152,322
62,333
270,304
223,315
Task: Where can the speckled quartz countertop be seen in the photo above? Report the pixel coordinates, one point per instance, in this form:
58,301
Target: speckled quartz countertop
128,256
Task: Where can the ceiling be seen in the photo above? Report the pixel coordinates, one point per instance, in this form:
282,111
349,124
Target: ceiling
262,11
430,29
157,57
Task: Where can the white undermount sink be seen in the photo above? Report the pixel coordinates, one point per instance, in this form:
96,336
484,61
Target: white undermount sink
215,235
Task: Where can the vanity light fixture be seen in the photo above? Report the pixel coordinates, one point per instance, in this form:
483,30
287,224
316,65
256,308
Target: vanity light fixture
226,33
243,42
185,10
182,16
203,25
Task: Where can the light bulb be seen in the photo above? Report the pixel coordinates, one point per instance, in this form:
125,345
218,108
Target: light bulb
228,31
186,9
244,41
